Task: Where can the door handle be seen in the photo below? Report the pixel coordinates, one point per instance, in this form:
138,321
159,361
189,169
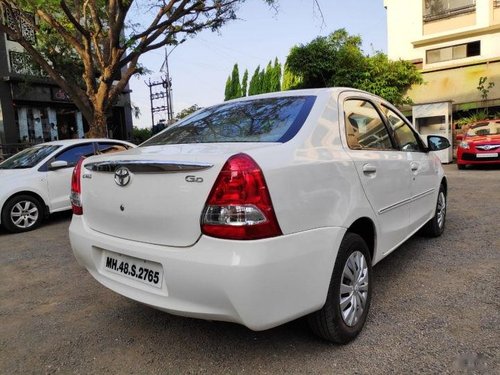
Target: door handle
414,167
369,169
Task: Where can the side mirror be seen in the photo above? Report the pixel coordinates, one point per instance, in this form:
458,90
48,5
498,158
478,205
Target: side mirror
437,142
58,164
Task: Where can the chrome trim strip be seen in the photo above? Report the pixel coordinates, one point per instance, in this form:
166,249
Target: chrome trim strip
421,195
405,201
393,206
147,166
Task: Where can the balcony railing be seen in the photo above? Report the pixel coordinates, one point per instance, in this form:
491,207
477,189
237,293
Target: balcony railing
439,9
22,63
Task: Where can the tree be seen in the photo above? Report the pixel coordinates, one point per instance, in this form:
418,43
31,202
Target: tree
140,135
227,90
290,80
187,111
276,76
254,87
389,79
235,91
244,83
337,60
103,42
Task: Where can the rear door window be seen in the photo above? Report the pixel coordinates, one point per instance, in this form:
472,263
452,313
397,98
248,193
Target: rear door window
73,154
262,120
365,129
110,147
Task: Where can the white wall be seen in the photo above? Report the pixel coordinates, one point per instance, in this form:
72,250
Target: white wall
405,25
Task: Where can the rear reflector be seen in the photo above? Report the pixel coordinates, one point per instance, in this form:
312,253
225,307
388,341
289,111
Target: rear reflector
239,206
76,189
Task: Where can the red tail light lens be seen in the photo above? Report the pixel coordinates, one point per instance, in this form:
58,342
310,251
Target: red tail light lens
76,189
239,206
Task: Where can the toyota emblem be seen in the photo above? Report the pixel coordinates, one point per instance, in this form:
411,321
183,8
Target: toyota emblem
122,176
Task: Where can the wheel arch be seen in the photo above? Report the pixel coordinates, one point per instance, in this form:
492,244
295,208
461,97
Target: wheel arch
31,194
365,228
444,182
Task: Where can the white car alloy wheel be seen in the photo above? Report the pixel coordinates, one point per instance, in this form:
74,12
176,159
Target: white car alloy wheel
354,288
22,213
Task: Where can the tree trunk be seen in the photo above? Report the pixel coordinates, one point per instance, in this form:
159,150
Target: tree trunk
99,126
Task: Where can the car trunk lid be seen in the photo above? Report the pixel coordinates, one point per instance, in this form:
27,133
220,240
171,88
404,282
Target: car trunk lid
154,194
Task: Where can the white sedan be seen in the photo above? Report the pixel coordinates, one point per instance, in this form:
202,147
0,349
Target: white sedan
261,210
36,181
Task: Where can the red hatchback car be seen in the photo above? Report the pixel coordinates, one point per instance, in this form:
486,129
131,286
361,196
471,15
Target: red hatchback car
480,144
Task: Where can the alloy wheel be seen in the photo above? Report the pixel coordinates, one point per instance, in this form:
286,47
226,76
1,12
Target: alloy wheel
24,214
441,209
354,288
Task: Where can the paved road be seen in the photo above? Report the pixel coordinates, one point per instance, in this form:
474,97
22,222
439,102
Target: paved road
435,309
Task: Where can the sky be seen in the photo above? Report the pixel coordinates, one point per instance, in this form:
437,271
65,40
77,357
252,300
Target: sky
199,67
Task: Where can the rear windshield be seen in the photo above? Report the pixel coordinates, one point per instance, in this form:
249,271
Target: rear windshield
486,128
261,120
28,158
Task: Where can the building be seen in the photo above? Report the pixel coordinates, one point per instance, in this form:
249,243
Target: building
454,43
34,109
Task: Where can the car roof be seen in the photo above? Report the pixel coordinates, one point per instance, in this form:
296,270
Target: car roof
302,92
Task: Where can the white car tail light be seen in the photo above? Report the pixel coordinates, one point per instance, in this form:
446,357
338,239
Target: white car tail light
239,205
76,189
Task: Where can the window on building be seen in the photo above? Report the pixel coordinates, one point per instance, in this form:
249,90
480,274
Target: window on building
437,9
496,3
459,51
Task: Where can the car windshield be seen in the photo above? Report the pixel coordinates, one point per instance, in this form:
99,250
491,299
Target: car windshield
486,128
28,158
261,120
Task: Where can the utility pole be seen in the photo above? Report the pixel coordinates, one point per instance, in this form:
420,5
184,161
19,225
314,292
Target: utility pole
160,94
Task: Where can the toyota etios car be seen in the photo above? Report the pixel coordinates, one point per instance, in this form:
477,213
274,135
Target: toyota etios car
261,210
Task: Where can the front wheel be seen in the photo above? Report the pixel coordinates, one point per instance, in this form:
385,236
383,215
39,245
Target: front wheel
344,314
22,213
435,226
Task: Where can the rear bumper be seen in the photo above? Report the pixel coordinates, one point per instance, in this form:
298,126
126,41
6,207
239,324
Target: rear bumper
260,284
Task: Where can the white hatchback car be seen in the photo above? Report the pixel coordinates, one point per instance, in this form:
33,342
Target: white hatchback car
261,210
37,180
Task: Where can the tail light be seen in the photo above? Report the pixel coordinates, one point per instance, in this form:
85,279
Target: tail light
76,189
239,206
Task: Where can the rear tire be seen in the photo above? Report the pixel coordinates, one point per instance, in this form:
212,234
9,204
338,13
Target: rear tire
348,301
435,226
22,213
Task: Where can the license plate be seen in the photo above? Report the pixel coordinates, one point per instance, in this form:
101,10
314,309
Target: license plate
488,155
147,272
